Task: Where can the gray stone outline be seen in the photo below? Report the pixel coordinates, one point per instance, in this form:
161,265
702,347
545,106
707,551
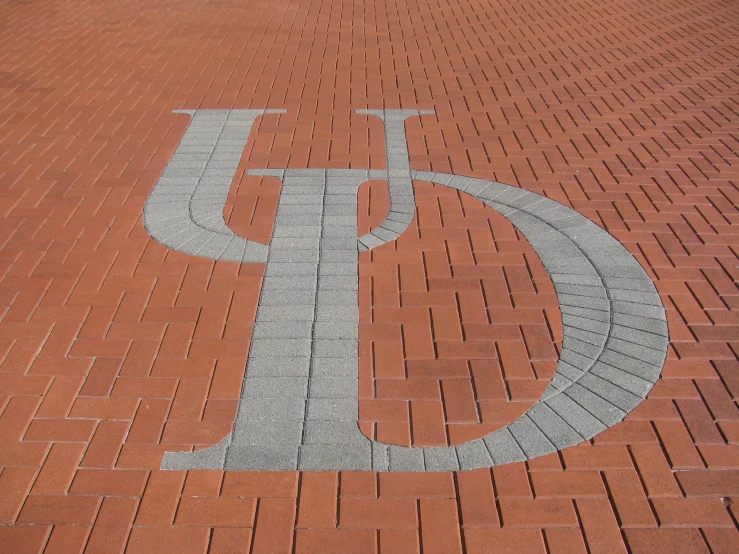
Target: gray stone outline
185,209
300,398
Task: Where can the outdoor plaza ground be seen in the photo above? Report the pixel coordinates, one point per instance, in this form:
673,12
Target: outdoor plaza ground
481,257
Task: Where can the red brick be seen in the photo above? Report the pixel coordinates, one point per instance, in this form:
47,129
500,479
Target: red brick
565,541
477,499
503,541
550,463
104,408
203,482
384,410
168,314
359,484
369,514
710,483
25,539
195,432
599,457
65,430
106,444
349,541
15,482
186,369
515,360
669,541
144,456
109,482
412,389
519,512
568,484
67,539
26,385
174,540
599,525
220,410
459,401
679,445
388,360
260,484
699,421
399,540
722,540
160,498
148,422
59,468
144,387
427,423
112,525
511,481
274,526
92,348
630,499
17,416
17,454
140,359
440,526
59,398
699,512
720,456
318,494
101,377
635,432
655,472
59,509
215,512
226,540
189,400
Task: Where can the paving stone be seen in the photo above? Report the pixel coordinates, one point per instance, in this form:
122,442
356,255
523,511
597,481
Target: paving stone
86,296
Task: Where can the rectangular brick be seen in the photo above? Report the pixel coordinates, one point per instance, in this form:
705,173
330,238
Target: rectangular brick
160,499
318,500
15,482
361,541
109,482
173,540
216,512
59,468
520,512
274,525
64,430
355,513
440,526
54,510
112,526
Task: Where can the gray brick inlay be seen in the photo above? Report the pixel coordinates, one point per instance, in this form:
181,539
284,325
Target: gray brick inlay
193,188
299,403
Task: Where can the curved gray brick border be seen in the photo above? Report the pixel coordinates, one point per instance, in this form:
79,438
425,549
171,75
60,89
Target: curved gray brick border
614,326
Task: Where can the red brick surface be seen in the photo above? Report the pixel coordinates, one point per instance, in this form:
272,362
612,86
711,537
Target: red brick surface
114,349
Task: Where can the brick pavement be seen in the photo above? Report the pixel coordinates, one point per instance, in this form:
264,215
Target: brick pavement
114,349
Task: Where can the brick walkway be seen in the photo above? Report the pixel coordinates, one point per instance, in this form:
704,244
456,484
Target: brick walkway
115,349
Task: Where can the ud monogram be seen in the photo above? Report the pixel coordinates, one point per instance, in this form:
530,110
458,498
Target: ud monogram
299,404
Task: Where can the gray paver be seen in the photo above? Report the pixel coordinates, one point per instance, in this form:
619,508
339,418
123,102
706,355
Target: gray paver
300,397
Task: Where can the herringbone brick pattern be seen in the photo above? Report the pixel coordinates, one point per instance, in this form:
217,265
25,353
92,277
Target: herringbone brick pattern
114,349
461,326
